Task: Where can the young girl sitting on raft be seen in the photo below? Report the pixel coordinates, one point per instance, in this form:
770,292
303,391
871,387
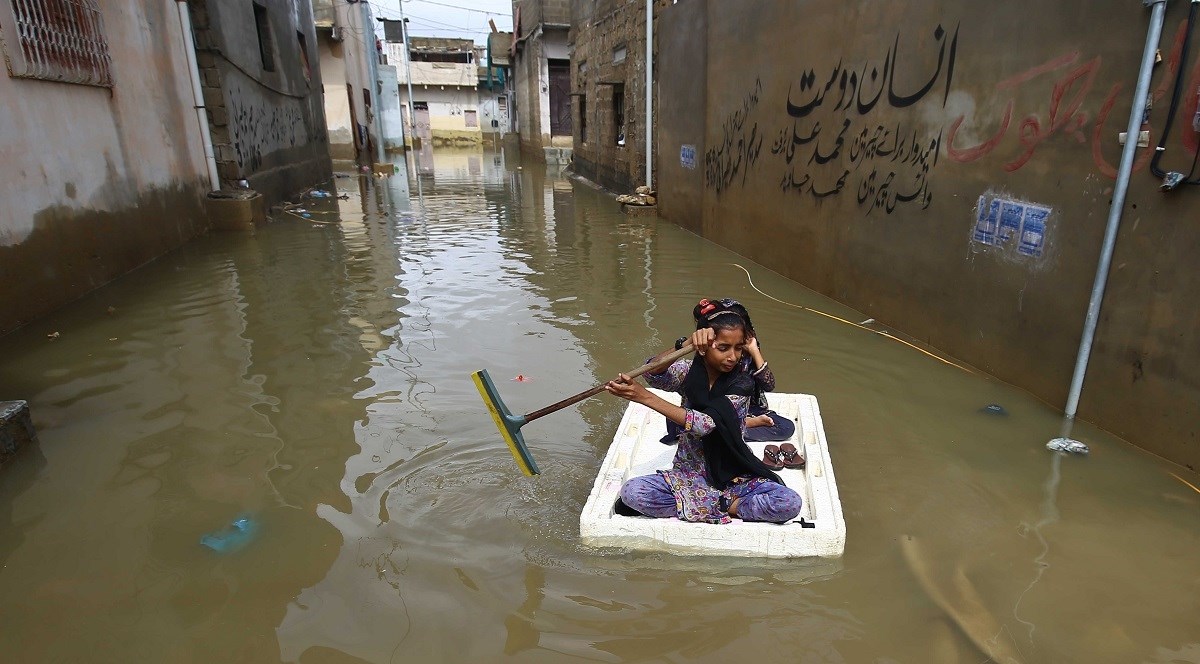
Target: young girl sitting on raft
762,424
714,475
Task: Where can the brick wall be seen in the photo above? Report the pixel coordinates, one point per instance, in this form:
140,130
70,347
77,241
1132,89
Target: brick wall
598,31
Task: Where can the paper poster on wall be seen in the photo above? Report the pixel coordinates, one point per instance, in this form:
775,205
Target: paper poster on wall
1010,227
687,156
1033,231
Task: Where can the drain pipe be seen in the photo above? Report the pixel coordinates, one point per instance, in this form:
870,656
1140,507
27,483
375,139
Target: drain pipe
189,49
649,93
1140,95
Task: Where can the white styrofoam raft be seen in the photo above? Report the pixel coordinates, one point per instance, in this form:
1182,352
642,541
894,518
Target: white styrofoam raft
636,451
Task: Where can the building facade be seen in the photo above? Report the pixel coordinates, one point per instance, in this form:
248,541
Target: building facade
445,81
608,84
346,44
541,66
107,160
262,93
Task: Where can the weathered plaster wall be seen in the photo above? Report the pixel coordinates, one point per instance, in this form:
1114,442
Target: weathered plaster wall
96,182
854,146
338,120
268,122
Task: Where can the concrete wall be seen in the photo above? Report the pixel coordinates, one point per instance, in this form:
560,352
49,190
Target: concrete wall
533,12
96,182
389,108
268,124
598,29
490,109
339,122
346,73
531,75
854,145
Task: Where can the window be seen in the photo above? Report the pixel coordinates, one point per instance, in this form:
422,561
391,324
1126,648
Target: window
57,40
265,47
305,68
619,54
471,118
618,101
582,118
502,103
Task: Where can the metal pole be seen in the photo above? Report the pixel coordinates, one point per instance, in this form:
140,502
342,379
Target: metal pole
649,93
412,119
373,72
1158,8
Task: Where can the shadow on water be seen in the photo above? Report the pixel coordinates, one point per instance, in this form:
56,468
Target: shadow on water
315,375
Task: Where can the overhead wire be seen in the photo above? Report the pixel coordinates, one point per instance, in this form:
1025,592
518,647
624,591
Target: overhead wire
466,9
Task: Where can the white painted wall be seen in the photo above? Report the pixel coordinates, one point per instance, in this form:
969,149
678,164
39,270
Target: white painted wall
82,147
447,105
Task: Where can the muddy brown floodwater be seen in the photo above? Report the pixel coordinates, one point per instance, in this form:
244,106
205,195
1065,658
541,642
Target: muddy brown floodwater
314,379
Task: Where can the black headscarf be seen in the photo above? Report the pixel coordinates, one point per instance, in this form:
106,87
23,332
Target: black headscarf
726,455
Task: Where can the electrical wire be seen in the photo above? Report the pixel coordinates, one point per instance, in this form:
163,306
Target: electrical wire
466,9
843,320
1174,107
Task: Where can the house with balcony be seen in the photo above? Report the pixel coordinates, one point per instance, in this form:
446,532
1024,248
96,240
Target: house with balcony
445,80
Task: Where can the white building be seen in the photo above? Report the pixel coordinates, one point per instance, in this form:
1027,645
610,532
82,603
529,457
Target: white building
445,81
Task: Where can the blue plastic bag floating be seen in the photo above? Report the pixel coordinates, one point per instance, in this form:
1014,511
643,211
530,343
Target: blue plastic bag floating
233,537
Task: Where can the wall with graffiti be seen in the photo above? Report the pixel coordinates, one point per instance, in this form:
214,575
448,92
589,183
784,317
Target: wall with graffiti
947,168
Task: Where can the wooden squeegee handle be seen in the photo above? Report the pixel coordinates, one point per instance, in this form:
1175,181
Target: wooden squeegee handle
675,355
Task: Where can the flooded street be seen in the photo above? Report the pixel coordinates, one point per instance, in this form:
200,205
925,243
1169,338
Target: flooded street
314,379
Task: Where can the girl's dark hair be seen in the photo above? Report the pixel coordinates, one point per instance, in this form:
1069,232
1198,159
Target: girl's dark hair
721,314
723,320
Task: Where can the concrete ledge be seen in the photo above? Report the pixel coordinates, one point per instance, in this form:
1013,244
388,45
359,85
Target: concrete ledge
385,169
558,156
16,428
240,210
639,210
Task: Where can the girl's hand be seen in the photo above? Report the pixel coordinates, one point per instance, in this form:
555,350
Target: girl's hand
753,351
752,345
702,339
627,389
759,421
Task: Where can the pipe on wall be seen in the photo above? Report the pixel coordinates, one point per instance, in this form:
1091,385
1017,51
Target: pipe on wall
1140,95
189,48
650,93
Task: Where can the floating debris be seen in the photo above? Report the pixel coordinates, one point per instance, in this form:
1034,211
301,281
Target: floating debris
994,409
1067,445
53,335
522,378
233,537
